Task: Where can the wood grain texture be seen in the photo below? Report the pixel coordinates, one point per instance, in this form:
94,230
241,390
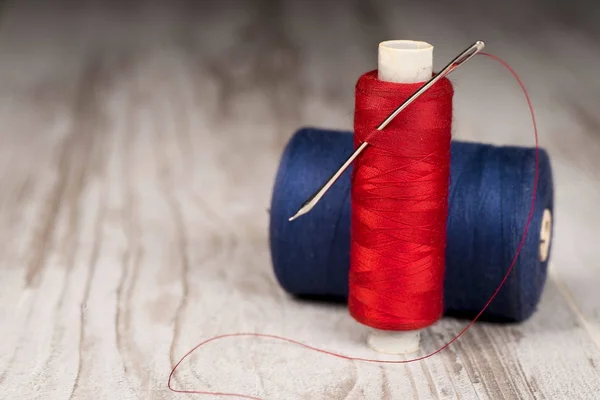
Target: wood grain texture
138,148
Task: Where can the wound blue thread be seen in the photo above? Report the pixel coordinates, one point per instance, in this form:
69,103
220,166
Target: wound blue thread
490,194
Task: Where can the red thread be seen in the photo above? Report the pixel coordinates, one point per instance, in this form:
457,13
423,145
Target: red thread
342,356
399,205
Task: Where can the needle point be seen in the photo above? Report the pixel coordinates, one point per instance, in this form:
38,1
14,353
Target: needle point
306,207
295,216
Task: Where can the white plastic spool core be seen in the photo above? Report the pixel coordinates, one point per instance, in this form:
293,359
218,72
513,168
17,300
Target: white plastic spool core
405,61
545,235
401,61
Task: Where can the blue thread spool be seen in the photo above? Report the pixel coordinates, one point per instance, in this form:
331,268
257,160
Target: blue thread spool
490,197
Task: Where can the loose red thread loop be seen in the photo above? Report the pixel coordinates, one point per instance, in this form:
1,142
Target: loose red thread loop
508,271
399,205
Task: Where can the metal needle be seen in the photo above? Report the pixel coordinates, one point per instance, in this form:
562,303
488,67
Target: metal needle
459,60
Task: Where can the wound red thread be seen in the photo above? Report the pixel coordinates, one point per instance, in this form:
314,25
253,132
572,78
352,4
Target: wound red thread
345,357
399,205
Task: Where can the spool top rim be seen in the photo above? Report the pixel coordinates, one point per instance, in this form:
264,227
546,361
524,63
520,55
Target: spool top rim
406,45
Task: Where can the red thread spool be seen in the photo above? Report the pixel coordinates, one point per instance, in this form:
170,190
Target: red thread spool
400,205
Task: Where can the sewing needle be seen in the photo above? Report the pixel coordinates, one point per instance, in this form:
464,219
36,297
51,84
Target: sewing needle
459,60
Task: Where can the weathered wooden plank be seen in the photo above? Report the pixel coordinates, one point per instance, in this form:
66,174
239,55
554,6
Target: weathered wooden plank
137,155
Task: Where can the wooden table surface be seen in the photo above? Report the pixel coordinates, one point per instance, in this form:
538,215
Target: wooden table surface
138,146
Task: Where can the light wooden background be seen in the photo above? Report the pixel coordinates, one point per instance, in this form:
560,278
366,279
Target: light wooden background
138,146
